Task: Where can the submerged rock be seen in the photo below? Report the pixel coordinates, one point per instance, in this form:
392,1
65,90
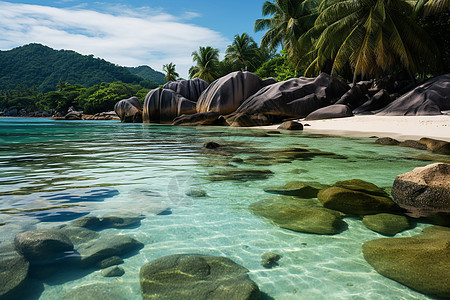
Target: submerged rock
114,271
386,224
424,191
42,244
129,110
211,145
355,202
239,175
436,146
299,215
361,186
420,262
105,247
270,259
98,291
110,261
298,189
99,223
78,235
194,276
13,274
387,141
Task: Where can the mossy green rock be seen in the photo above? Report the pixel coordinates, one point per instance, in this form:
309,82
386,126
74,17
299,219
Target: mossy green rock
98,291
194,276
13,274
420,262
239,175
386,224
361,186
298,189
301,215
355,202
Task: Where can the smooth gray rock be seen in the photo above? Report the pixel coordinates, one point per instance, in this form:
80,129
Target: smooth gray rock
424,191
164,105
194,276
207,118
114,271
330,112
227,93
293,98
386,224
291,125
104,247
13,274
355,96
428,99
42,244
378,101
129,110
189,89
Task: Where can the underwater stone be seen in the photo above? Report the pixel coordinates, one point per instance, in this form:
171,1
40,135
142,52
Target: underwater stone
78,235
239,175
42,244
196,193
98,291
98,223
211,145
113,272
355,202
110,261
361,186
13,274
104,247
270,259
387,141
421,262
386,224
194,276
299,215
298,189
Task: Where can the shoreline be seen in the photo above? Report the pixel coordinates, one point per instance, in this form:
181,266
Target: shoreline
398,127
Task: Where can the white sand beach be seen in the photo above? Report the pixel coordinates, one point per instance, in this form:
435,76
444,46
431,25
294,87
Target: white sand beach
399,127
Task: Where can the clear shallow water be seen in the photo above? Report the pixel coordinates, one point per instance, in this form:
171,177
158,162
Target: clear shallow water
52,172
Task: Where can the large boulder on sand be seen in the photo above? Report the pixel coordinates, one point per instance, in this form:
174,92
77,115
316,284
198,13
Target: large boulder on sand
164,105
421,262
190,89
293,98
129,110
194,276
430,98
424,191
376,102
330,112
207,118
227,93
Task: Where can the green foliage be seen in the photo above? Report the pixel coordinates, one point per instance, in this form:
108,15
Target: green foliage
171,74
279,67
43,67
148,73
207,60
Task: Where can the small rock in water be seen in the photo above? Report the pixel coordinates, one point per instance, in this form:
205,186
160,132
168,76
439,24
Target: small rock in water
291,125
270,260
113,272
110,261
196,193
387,141
211,145
273,132
386,224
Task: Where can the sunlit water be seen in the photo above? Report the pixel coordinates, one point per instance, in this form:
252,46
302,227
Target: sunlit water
49,170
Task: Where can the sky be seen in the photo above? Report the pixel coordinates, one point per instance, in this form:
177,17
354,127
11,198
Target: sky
129,33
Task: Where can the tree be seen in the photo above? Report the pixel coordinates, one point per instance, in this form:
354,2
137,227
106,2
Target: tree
371,36
171,74
244,52
290,19
207,59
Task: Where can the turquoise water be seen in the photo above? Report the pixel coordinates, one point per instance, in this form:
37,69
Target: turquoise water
52,172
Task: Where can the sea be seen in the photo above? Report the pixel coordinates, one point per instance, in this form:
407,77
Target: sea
54,172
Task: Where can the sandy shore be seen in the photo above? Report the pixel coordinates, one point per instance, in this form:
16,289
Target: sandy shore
399,127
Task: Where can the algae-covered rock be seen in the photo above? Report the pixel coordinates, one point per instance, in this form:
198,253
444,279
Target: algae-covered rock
355,202
361,186
98,291
194,276
298,189
78,235
99,223
270,260
239,175
386,224
42,244
104,247
420,262
13,274
299,215
114,271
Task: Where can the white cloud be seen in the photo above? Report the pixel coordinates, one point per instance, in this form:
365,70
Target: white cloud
124,37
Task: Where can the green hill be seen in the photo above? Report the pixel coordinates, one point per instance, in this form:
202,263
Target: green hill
36,65
147,73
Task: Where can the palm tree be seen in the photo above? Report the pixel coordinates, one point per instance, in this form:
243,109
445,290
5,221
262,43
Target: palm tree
207,59
290,19
171,74
244,52
370,36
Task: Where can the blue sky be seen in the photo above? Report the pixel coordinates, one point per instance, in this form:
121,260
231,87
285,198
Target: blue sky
129,33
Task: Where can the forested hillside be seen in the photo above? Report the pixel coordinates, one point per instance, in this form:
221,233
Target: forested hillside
147,73
36,65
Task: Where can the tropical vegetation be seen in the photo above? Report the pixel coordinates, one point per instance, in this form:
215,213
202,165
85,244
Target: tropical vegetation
171,74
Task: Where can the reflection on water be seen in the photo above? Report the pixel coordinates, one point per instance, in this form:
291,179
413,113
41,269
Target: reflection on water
192,200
